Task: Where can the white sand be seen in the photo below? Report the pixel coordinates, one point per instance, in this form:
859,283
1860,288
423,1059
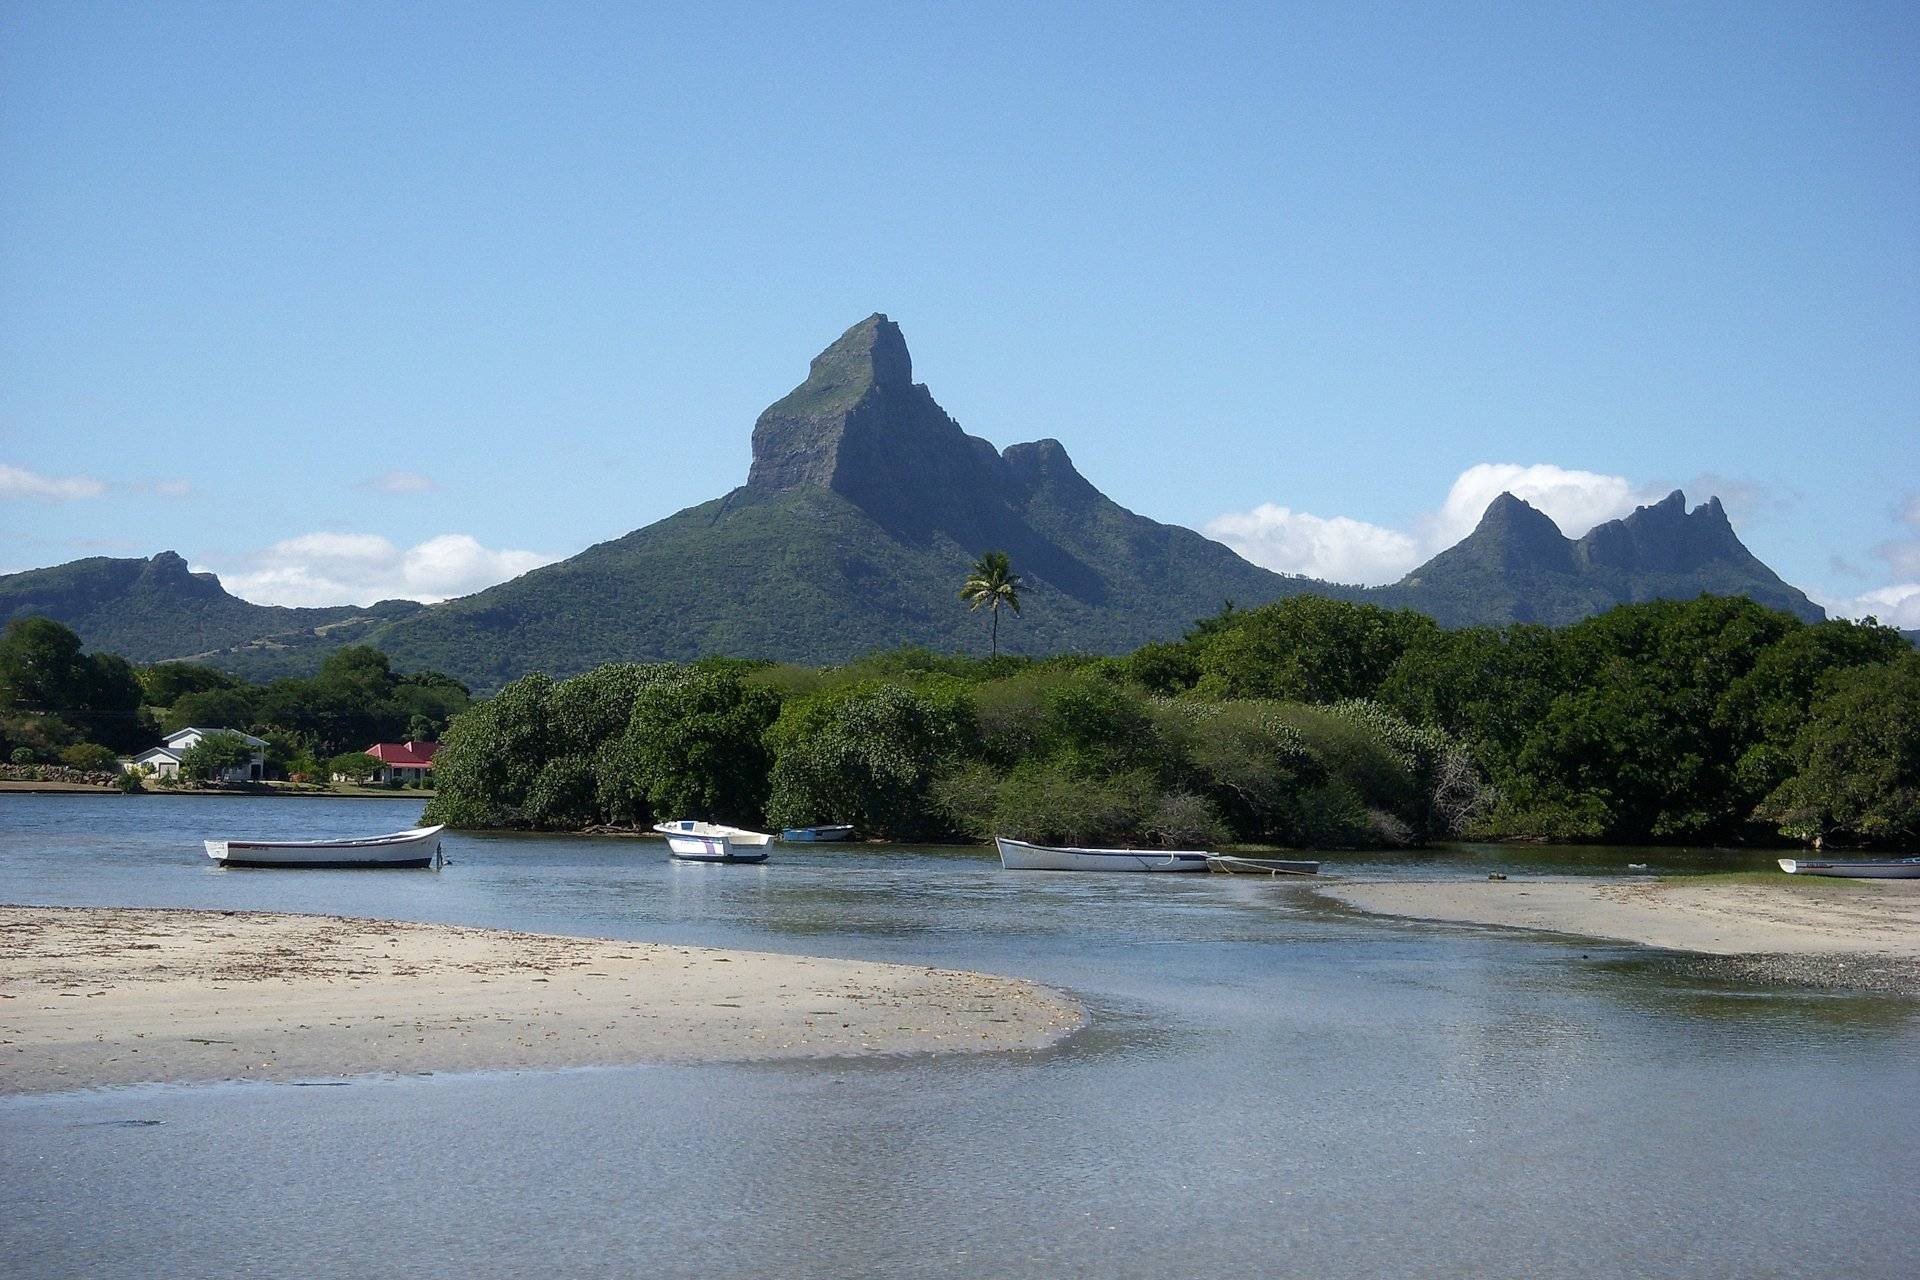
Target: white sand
94,996
1798,917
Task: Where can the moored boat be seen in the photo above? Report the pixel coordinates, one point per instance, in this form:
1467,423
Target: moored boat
692,841
1854,869
1018,855
416,847
816,835
1234,864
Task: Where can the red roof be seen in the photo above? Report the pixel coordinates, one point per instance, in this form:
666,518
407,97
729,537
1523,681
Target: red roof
413,755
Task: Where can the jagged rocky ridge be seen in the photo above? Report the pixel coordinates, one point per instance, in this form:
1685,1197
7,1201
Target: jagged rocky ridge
864,505
1517,566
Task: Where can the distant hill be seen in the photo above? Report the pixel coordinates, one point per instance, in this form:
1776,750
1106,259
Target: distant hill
1517,566
862,511
149,610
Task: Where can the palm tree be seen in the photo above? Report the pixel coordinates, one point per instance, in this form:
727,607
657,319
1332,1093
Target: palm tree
993,583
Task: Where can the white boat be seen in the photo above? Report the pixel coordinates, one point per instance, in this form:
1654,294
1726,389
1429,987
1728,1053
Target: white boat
417,847
1860,869
1235,864
710,842
1018,855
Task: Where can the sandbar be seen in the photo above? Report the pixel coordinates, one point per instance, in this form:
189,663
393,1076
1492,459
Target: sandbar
1859,918
106,996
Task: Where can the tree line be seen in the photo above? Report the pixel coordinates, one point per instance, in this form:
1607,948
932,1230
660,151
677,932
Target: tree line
1310,721
61,705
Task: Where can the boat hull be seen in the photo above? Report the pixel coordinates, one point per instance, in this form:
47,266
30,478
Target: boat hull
415,848
815,835
1232,864
692,841
1018,855
711,849
1887,869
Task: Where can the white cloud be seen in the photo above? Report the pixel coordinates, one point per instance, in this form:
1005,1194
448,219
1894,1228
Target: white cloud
1897,605
400,482
1576,500
360,568
1337,548
18,482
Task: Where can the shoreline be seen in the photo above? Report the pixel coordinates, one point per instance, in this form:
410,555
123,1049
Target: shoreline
98,996
89,789
1852,934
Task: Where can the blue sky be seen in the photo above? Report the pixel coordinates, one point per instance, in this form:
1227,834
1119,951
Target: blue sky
356,300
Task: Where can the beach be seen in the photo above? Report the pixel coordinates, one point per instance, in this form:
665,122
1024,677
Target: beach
105,996
1812,932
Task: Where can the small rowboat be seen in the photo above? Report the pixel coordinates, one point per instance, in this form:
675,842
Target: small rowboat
1235,865
815,835
1861,869
692,841
1018,855
417,847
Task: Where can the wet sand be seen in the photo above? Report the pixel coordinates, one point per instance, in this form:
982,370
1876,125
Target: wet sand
1841,929
98,996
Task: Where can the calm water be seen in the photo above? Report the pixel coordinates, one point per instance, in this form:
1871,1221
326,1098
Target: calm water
1271,1086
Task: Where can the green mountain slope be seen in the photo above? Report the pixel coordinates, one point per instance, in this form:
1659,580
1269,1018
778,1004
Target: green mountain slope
149,610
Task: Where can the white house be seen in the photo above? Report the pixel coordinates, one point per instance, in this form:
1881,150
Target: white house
164,760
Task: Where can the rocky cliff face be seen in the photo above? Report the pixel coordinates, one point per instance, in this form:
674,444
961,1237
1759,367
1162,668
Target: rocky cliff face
1665,538
861,427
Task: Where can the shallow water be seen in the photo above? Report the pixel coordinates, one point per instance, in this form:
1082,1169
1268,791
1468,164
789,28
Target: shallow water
1270,1085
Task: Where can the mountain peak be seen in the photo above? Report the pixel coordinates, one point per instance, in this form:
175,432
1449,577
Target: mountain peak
872,353
1518,535
860,426
1507,509
1664,537
1042,466
169,571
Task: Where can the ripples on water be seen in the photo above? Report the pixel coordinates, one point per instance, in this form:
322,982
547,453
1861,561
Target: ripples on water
1270,1086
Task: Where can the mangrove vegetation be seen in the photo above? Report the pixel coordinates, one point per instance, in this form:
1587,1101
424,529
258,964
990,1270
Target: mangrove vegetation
1306,722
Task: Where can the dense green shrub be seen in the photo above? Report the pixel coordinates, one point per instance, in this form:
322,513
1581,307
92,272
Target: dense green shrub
214,754
52,695
490,757
1857,759
694,746
1305,648
89,755
866,756
1307,722
1050,803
